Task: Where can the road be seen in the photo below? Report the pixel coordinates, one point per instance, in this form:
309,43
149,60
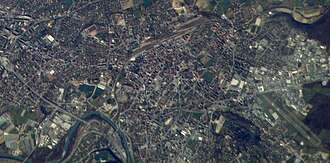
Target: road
182,29
10,68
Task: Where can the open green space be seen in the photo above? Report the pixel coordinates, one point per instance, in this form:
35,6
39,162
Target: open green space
325,135
253,29
144,2
15,113
4,125
97,92
246,3
68,3
87,89
309,93
197,115
266,106
104,156
137,2
222,6
192,144
208,76
210,62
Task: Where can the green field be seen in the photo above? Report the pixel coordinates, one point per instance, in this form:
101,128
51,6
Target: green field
210,62
325,135
197,115
87,89
266,106
208,76
246,2
4,125
104,155
192,144
15,113
317,88
67,3
144,2
222,6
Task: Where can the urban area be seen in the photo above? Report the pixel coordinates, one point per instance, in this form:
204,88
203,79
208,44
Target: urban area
163,81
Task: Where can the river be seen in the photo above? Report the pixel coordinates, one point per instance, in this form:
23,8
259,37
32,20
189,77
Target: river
68,139
71,135
320,30
11,157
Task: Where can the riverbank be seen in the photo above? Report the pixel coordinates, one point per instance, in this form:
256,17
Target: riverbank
70,138
6,160
11,159
305,16
93,115
319,30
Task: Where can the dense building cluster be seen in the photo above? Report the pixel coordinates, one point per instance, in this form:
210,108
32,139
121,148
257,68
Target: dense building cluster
158,80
